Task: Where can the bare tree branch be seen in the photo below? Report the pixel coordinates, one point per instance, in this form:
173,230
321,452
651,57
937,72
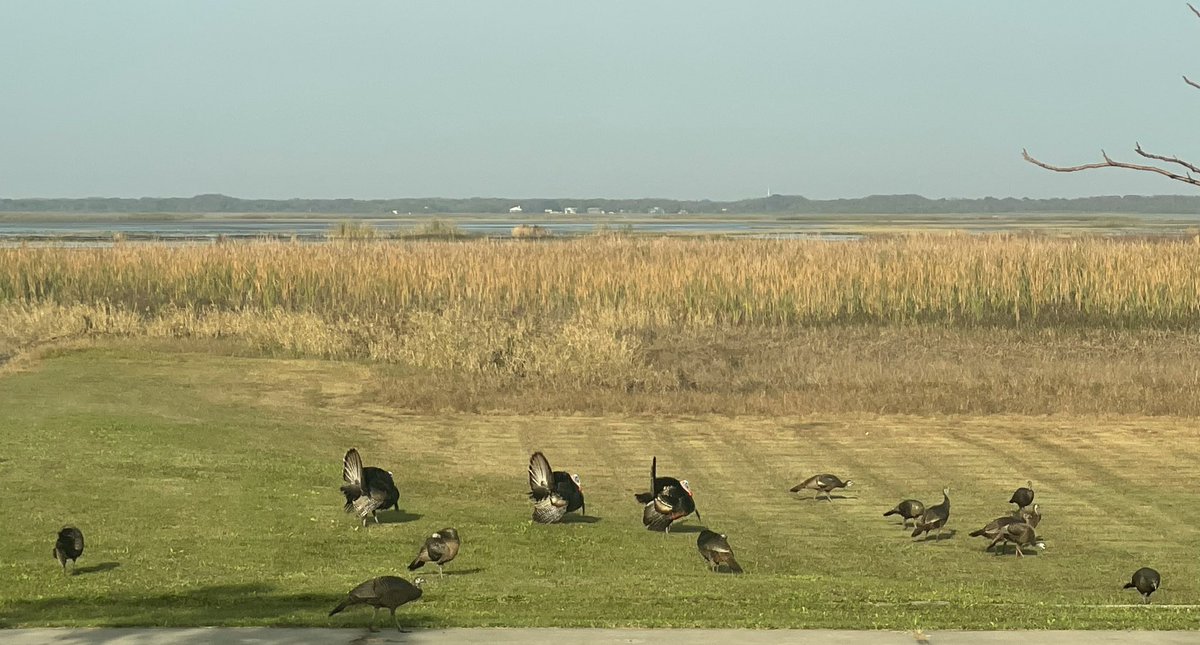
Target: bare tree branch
1109,163
1185,78
1175,160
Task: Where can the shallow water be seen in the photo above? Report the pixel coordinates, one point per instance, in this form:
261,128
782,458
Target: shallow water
62,229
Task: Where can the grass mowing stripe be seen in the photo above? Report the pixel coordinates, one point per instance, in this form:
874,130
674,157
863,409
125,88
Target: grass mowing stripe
214,492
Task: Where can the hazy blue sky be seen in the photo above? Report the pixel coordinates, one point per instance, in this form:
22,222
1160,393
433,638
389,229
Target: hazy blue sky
605,99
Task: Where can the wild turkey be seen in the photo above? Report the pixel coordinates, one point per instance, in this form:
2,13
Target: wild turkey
670,500
1146,581
554,494
68,546
715,549
909,509
1018,534
992,529
823,483
367,489
571,488
658,483
384,592
1031,516
439,548
1023,496
934,517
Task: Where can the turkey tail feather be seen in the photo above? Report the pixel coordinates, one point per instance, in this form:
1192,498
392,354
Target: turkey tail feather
653,475
352,468
540,475
342,605
733,565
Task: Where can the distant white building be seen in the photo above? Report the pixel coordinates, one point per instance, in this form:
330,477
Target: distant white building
570,210
657,210
516,209
595,211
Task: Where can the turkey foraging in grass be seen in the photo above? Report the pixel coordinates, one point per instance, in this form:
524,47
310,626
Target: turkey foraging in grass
439,548
823,483
992,529
1146,581
384,592
909,509
715,549
1018,534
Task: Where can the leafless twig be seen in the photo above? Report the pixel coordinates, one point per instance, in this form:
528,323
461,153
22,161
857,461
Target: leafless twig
1110,163
1175,160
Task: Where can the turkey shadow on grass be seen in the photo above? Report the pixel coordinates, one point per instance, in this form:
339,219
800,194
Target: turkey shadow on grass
254,603
821,498
686,528
397,517
453,572
570,518
1011,550
97,568
935,537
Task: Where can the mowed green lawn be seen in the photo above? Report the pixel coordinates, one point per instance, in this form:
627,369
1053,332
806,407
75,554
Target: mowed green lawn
206,486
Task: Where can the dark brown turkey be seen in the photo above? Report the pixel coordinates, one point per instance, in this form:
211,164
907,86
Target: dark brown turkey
909,509
1146,581
823,483
384,592
934,517
68,546
553,493
715,549
439,548
1030,516
1018,534
1023,496
367,489
670,499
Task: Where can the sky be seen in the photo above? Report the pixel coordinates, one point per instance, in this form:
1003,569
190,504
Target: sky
619,99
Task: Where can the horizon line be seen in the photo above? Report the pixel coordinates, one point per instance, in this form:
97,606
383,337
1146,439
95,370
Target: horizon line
665,199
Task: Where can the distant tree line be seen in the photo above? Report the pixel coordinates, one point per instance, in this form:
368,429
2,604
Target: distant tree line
781,204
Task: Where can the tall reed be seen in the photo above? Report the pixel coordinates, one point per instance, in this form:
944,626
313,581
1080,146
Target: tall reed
956,280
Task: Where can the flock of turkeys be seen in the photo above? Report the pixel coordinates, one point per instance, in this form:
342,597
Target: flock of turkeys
554,493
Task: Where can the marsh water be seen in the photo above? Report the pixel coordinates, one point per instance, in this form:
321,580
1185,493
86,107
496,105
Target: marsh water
69,229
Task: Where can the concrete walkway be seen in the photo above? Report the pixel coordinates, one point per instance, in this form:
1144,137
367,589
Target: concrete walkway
308,636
